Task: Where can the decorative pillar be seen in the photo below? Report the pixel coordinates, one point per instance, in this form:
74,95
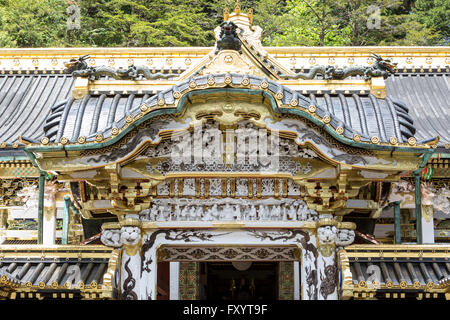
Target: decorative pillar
130,272
174,278
149,266
286,280
189,280
41,207
66,214
297,287
418,210
427,224
327,273
49,221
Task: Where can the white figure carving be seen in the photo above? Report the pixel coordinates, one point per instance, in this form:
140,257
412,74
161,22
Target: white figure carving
311,215
252,213
237,212
199,213
263,212
29,195
284,213
326,234
111,238
292,213
215,213
161,214
441,201
208,215
344,237
177,212
191,214
184,213
153,213
130,235
275,213
228,212
302,212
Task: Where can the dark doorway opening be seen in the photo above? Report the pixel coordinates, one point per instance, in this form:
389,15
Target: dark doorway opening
239,281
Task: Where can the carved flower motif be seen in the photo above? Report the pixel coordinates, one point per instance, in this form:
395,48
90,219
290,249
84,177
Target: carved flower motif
228,59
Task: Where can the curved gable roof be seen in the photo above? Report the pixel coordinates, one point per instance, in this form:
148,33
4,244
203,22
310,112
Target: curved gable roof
361,114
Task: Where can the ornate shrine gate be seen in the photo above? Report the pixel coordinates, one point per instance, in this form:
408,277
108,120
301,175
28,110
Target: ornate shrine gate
228,156
290,190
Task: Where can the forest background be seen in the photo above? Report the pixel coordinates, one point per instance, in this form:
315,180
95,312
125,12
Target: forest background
166,23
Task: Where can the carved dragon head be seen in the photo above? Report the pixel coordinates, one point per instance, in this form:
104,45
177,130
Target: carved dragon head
76,64
384,64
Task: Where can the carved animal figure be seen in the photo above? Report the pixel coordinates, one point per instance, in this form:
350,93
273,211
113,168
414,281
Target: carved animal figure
329,282
111,238
76,64
344,237
326,234
380,68
228,38
130,235
80,68
313,72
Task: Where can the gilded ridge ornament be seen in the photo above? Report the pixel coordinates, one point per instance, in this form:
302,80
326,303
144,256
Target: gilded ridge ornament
393,140
64,140
99,137
192,84
412,141
264,84
81,140
228,79
44,141
177,94
294,102
144,108
129,119
279,95
161,102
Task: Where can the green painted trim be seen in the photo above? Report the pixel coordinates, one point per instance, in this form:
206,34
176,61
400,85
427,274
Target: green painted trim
418,199
181,102
41,207
425,159
4,159
441,155
65,226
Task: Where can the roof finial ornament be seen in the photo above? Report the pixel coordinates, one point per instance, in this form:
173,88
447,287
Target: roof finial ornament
237,7
250,15
226,14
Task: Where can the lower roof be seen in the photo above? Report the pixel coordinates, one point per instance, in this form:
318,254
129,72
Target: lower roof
427,96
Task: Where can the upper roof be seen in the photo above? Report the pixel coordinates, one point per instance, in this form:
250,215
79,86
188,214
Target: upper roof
36,97
357,113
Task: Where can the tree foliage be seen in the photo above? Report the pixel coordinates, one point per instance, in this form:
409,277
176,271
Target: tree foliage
138,23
